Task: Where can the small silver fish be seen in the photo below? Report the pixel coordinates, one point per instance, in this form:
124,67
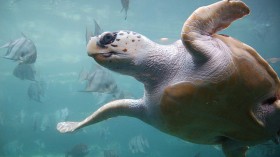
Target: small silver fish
105,82
273,60
125,6
22,50
138,144
79,150
100,81
35,91
110,153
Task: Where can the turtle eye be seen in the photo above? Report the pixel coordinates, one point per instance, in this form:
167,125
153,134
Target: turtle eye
107,38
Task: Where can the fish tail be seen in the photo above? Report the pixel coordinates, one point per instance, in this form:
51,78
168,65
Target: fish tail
125,15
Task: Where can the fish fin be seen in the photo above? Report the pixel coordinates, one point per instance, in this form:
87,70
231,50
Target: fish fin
122,9
20,60
6,45
23,35
9,58
88,32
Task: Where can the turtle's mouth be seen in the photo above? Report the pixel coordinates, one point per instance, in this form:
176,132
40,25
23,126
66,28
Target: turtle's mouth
108,54
105,55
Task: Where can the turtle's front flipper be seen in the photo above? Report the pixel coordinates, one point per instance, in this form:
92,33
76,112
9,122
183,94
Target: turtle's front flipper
234,149
64,127
124,107
205,21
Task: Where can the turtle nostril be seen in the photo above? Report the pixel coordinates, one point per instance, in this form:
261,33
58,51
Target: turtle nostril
107,38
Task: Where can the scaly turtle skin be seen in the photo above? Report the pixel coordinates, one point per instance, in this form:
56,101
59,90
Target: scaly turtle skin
205,88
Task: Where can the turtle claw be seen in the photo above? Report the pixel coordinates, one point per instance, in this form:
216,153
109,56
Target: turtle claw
65,127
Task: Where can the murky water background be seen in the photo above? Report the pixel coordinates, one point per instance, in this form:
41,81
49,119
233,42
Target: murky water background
57,28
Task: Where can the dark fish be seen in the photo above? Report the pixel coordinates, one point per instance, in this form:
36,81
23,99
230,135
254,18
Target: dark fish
197,154
125,6
110,153
97,31
268,149
22,50
79,150
24,72
35,91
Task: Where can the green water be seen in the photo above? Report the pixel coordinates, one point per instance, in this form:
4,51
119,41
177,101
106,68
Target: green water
57,28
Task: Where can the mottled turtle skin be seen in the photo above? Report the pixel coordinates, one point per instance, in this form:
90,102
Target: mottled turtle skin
205,88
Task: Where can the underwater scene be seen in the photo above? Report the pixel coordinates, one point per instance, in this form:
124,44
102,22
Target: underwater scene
47,76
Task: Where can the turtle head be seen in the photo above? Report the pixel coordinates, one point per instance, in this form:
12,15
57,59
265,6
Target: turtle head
118,51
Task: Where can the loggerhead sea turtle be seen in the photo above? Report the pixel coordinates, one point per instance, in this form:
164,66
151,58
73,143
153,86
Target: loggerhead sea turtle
205,88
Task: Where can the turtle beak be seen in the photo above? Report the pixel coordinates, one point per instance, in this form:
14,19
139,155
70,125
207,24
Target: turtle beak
92,47
98,44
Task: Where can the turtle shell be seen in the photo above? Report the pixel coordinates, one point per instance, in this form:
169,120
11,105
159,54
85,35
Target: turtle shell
205,112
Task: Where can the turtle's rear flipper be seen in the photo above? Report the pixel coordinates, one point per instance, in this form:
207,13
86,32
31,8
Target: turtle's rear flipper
64,127
206,21
234,149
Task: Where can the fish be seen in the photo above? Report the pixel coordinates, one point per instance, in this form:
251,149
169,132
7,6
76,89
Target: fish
110,153
22,116
273,60
268,149
97,31
62,115
88,35
100,81
125,6
12,148
45,124
104,133
39,143
138,144
83,75
35,91
25,72
79,150
197,154
22,50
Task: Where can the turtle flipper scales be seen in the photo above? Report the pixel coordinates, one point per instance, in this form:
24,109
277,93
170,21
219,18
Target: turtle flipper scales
65,127
205,21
